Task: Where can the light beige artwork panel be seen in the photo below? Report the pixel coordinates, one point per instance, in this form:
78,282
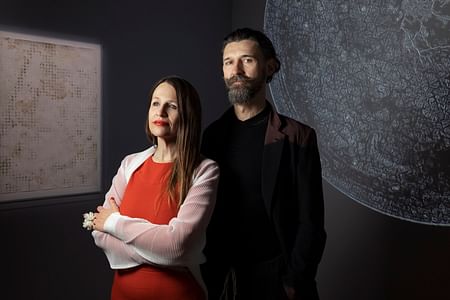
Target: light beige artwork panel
50,118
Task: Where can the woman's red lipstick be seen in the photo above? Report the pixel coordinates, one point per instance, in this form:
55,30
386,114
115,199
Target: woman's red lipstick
160,123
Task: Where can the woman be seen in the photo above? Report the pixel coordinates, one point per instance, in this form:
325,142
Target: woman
153,222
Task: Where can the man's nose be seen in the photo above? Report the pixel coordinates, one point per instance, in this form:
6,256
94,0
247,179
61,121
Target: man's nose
237,69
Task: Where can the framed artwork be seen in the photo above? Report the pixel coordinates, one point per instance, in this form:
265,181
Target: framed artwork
50,117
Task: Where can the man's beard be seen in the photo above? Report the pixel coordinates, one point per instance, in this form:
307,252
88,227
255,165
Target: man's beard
243,93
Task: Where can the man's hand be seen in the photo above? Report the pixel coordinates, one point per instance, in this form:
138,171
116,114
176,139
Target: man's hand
290,292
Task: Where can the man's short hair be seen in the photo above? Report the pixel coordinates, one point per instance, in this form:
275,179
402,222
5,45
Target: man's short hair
265,44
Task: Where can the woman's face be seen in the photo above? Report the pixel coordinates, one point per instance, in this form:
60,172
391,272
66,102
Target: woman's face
163,113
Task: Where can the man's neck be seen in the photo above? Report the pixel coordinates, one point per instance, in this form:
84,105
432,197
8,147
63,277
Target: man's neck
249,110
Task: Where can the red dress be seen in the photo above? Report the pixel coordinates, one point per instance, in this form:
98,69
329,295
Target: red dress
146,197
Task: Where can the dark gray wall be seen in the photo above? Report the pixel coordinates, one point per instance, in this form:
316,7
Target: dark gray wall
46,254
369,255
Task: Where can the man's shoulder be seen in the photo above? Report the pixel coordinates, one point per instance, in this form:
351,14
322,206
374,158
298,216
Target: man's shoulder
293,124
221,122
297,132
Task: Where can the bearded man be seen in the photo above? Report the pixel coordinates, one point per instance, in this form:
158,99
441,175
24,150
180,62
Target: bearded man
267,235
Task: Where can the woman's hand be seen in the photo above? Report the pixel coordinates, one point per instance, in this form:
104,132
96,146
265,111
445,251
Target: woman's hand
103,213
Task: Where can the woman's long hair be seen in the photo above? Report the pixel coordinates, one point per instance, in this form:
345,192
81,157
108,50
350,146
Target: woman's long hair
188,136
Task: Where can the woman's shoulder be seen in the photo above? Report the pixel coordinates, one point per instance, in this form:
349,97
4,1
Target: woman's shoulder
207,162
207,167
139,157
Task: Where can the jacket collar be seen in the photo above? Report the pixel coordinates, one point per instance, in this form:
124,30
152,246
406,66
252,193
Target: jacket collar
273,150
274,128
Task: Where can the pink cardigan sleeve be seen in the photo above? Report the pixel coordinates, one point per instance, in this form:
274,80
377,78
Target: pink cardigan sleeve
119,254
131,241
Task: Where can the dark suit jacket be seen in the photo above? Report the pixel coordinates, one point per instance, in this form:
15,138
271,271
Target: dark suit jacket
292,192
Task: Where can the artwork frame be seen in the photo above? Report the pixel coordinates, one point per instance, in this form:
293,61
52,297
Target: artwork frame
50,117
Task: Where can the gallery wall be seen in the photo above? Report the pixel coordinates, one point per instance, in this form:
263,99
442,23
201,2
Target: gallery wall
370,255
46,252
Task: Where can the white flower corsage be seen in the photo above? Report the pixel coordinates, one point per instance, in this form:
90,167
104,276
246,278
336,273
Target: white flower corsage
88,222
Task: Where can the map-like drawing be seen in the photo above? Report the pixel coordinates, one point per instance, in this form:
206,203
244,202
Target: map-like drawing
50,101
373,79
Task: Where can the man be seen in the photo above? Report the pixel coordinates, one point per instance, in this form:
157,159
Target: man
266,236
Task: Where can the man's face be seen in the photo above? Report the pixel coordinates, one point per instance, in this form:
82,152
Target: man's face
244,70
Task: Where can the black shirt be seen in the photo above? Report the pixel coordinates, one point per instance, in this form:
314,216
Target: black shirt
241,163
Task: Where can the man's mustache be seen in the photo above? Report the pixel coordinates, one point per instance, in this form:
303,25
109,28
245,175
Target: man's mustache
237,78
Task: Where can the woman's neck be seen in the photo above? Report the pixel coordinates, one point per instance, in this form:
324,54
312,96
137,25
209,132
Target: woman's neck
165,152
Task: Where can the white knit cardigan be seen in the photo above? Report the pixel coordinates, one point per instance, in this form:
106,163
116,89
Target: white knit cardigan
129,242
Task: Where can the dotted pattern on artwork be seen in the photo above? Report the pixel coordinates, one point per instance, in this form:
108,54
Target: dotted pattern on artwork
50,117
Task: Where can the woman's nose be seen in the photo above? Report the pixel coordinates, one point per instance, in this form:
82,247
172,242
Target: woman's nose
162,111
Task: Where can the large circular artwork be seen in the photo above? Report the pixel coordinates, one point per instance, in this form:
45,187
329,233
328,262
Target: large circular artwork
373,79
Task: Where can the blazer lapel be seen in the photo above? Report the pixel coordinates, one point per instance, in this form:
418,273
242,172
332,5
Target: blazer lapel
273,149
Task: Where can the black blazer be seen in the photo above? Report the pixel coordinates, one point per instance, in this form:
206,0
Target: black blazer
292,192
